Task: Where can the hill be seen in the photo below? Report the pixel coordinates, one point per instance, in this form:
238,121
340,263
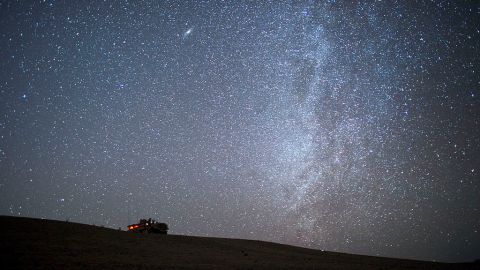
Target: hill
47,244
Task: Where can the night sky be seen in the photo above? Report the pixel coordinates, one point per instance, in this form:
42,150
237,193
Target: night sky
336,126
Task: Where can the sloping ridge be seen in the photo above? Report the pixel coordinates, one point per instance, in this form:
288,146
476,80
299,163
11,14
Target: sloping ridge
28,243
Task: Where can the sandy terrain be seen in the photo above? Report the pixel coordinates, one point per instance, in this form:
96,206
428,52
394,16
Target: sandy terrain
45,244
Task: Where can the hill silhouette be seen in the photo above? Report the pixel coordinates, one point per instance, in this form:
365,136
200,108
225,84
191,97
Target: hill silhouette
29,243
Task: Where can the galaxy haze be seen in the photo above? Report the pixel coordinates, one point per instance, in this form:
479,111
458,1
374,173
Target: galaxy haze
325,124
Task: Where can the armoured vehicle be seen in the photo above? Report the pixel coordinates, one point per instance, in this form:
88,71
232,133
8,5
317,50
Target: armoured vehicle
148,226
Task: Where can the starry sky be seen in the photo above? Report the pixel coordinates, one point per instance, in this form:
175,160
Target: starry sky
324,124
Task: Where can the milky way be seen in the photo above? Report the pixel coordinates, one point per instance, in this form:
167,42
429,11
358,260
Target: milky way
330,125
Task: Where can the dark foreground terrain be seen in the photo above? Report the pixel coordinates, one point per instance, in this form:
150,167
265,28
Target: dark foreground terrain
46,244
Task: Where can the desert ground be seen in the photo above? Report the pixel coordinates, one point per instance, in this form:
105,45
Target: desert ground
28,243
